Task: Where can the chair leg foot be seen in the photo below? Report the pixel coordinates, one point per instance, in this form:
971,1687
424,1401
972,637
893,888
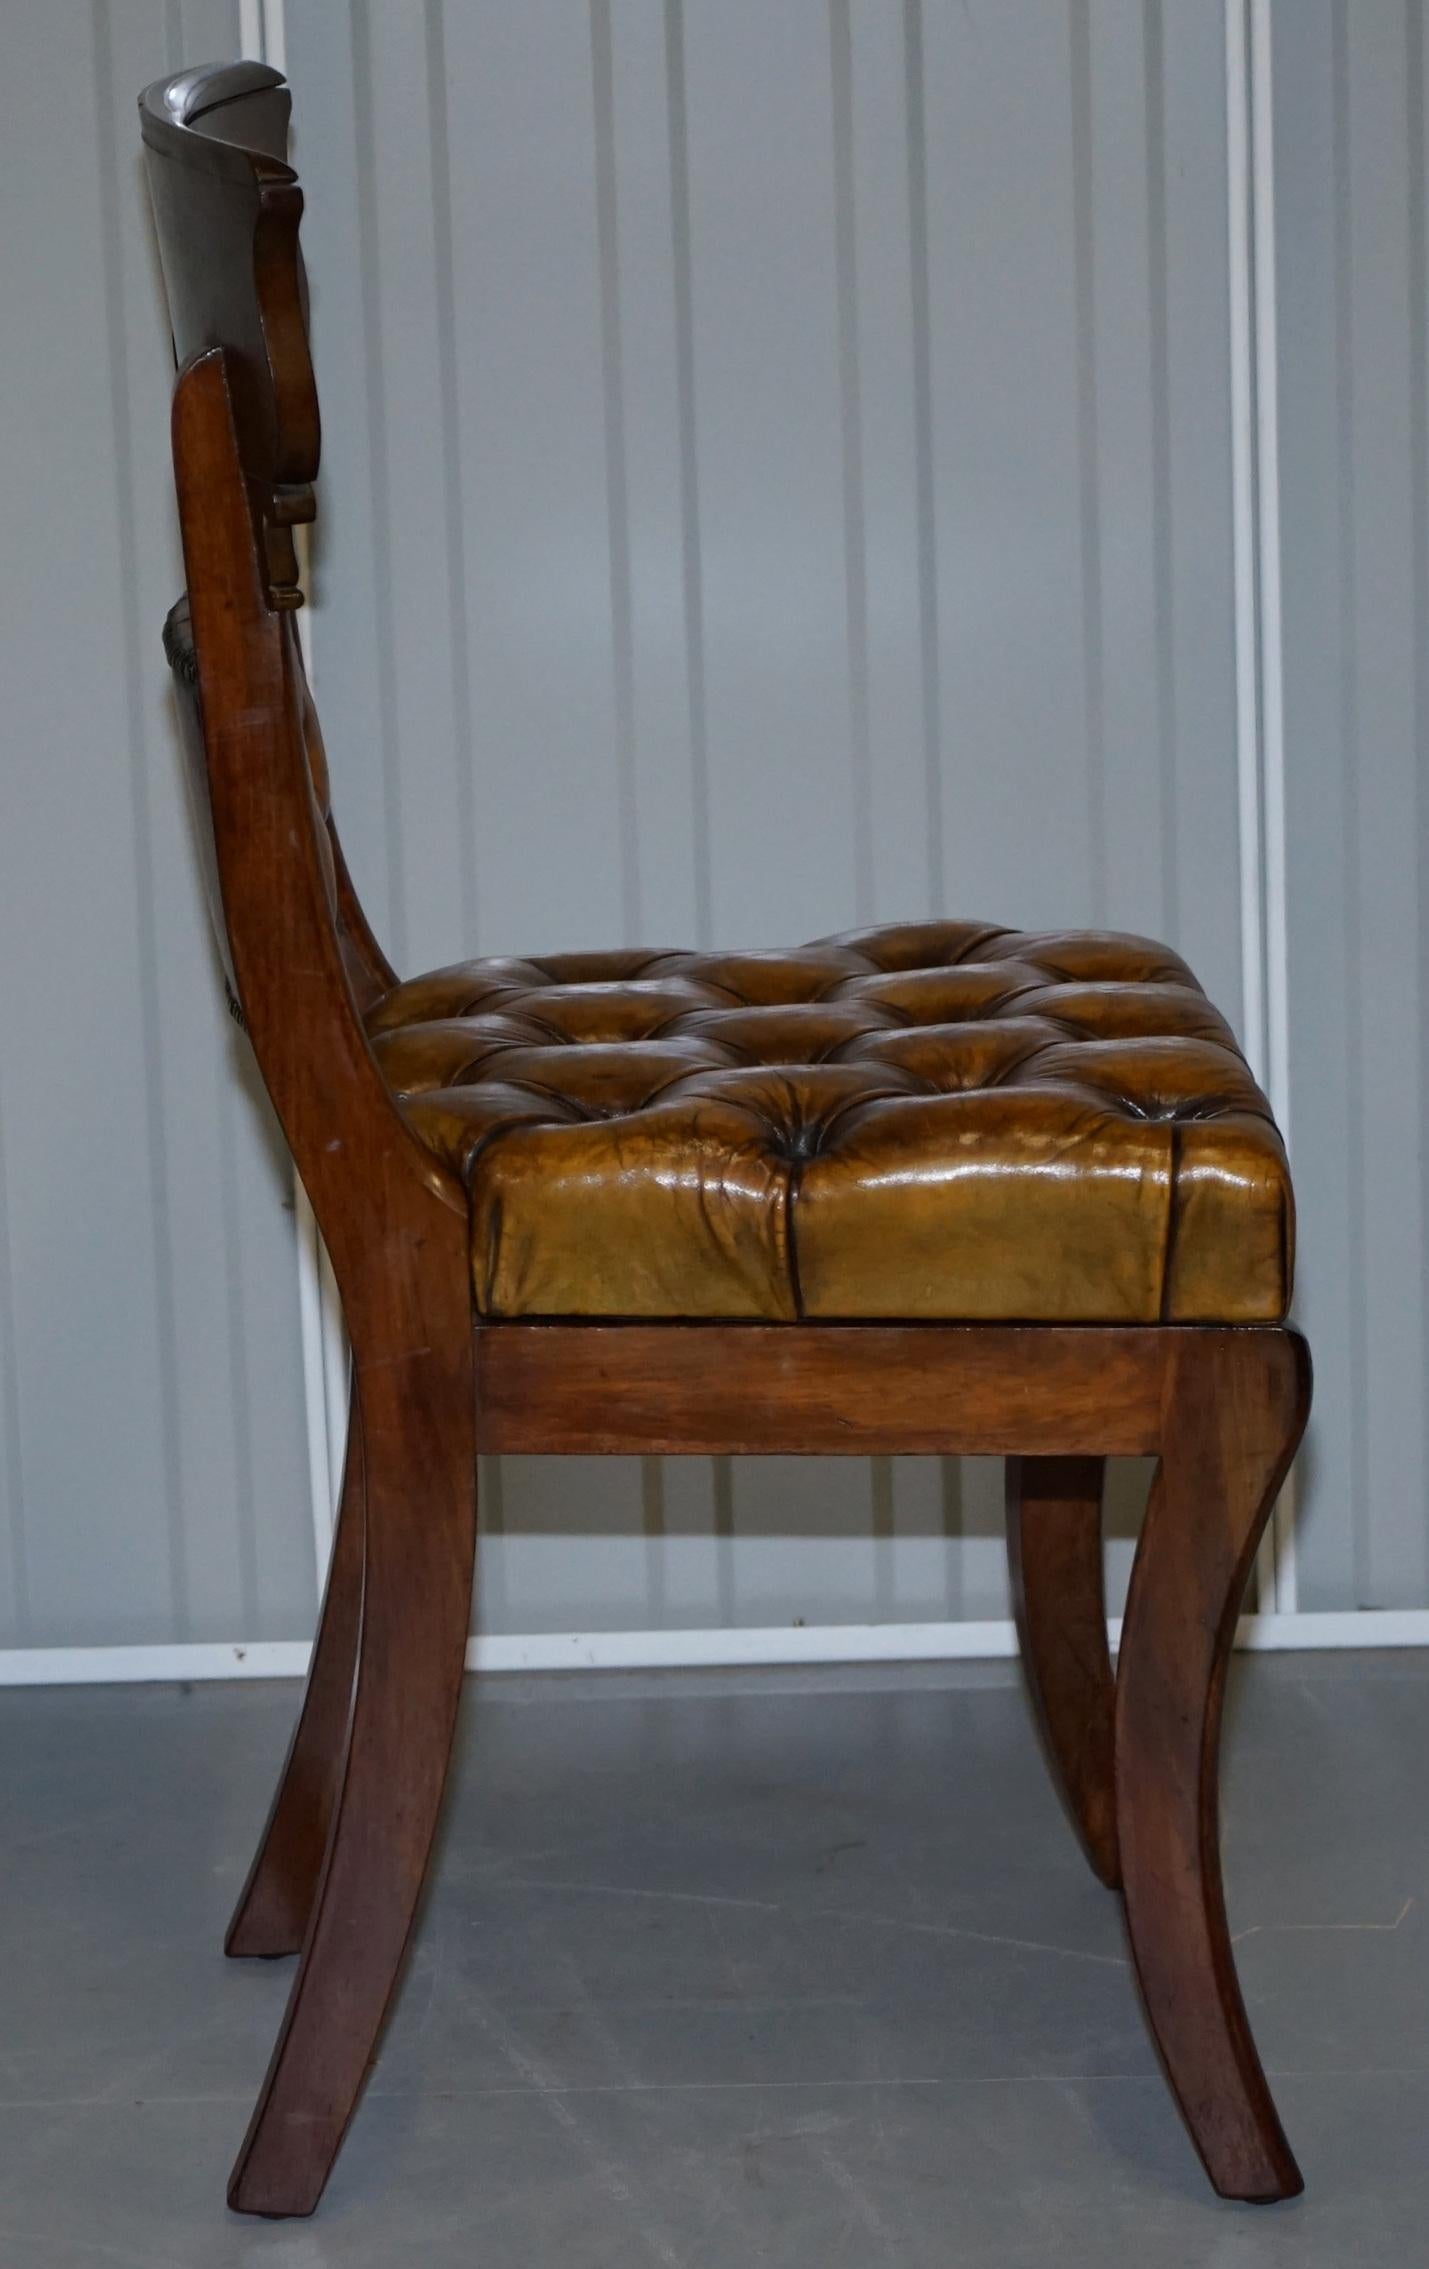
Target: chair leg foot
271,1916
1235,1409
419,1444
1054,1544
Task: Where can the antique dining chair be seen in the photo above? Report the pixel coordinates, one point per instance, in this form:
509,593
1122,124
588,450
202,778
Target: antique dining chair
946,1187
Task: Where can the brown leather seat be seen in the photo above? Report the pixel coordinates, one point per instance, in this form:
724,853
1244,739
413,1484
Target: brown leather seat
940,1120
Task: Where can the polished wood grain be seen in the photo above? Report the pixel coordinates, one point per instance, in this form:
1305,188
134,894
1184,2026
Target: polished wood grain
396,1232
1054,1547
859,1389
1234,1416
276,1902
420,1449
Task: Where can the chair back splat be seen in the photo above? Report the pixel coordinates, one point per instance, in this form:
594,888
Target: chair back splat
302,962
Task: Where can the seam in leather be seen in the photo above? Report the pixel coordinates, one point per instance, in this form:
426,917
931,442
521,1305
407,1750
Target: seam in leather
494,1135
791,1241
976,946
1173,1218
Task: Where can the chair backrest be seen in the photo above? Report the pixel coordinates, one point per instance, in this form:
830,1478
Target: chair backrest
227,206
302,963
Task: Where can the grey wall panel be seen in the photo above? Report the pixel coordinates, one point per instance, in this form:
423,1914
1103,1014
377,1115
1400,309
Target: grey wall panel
755,90
996,102
1326,1109
531,423
787,449
777,476
349,547
889,557
1350,184
14,1542
154,1456
650,471
755,221
1191,498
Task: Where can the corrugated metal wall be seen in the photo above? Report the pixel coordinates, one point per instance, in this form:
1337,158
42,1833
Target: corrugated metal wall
1351,204
152,1481
777,476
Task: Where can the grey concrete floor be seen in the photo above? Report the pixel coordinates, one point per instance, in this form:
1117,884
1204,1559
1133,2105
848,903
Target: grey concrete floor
775,1969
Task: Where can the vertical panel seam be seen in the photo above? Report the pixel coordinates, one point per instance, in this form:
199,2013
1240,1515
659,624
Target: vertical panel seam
1270,651
493,1582
10,1413
1270,662
1419,506
1088,452
692,564
692,583
1161,506
1241,269
653,1526
240,1384
380,475
851,422
726,1589
1349,751
617,495
151,1040
458,626
929,656
951,1477
884,1507
855,531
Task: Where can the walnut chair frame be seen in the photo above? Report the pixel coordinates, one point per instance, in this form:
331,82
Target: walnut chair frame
341,1862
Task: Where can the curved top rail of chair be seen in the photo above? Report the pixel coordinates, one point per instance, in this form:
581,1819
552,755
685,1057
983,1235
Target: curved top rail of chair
226,117
227,206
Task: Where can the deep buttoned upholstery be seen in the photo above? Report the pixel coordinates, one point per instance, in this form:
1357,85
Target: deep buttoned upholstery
940,1120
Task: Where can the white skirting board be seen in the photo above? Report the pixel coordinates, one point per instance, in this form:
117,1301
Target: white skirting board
717,1649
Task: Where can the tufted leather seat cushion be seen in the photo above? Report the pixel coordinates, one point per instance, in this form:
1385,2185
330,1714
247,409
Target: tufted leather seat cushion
941,1120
